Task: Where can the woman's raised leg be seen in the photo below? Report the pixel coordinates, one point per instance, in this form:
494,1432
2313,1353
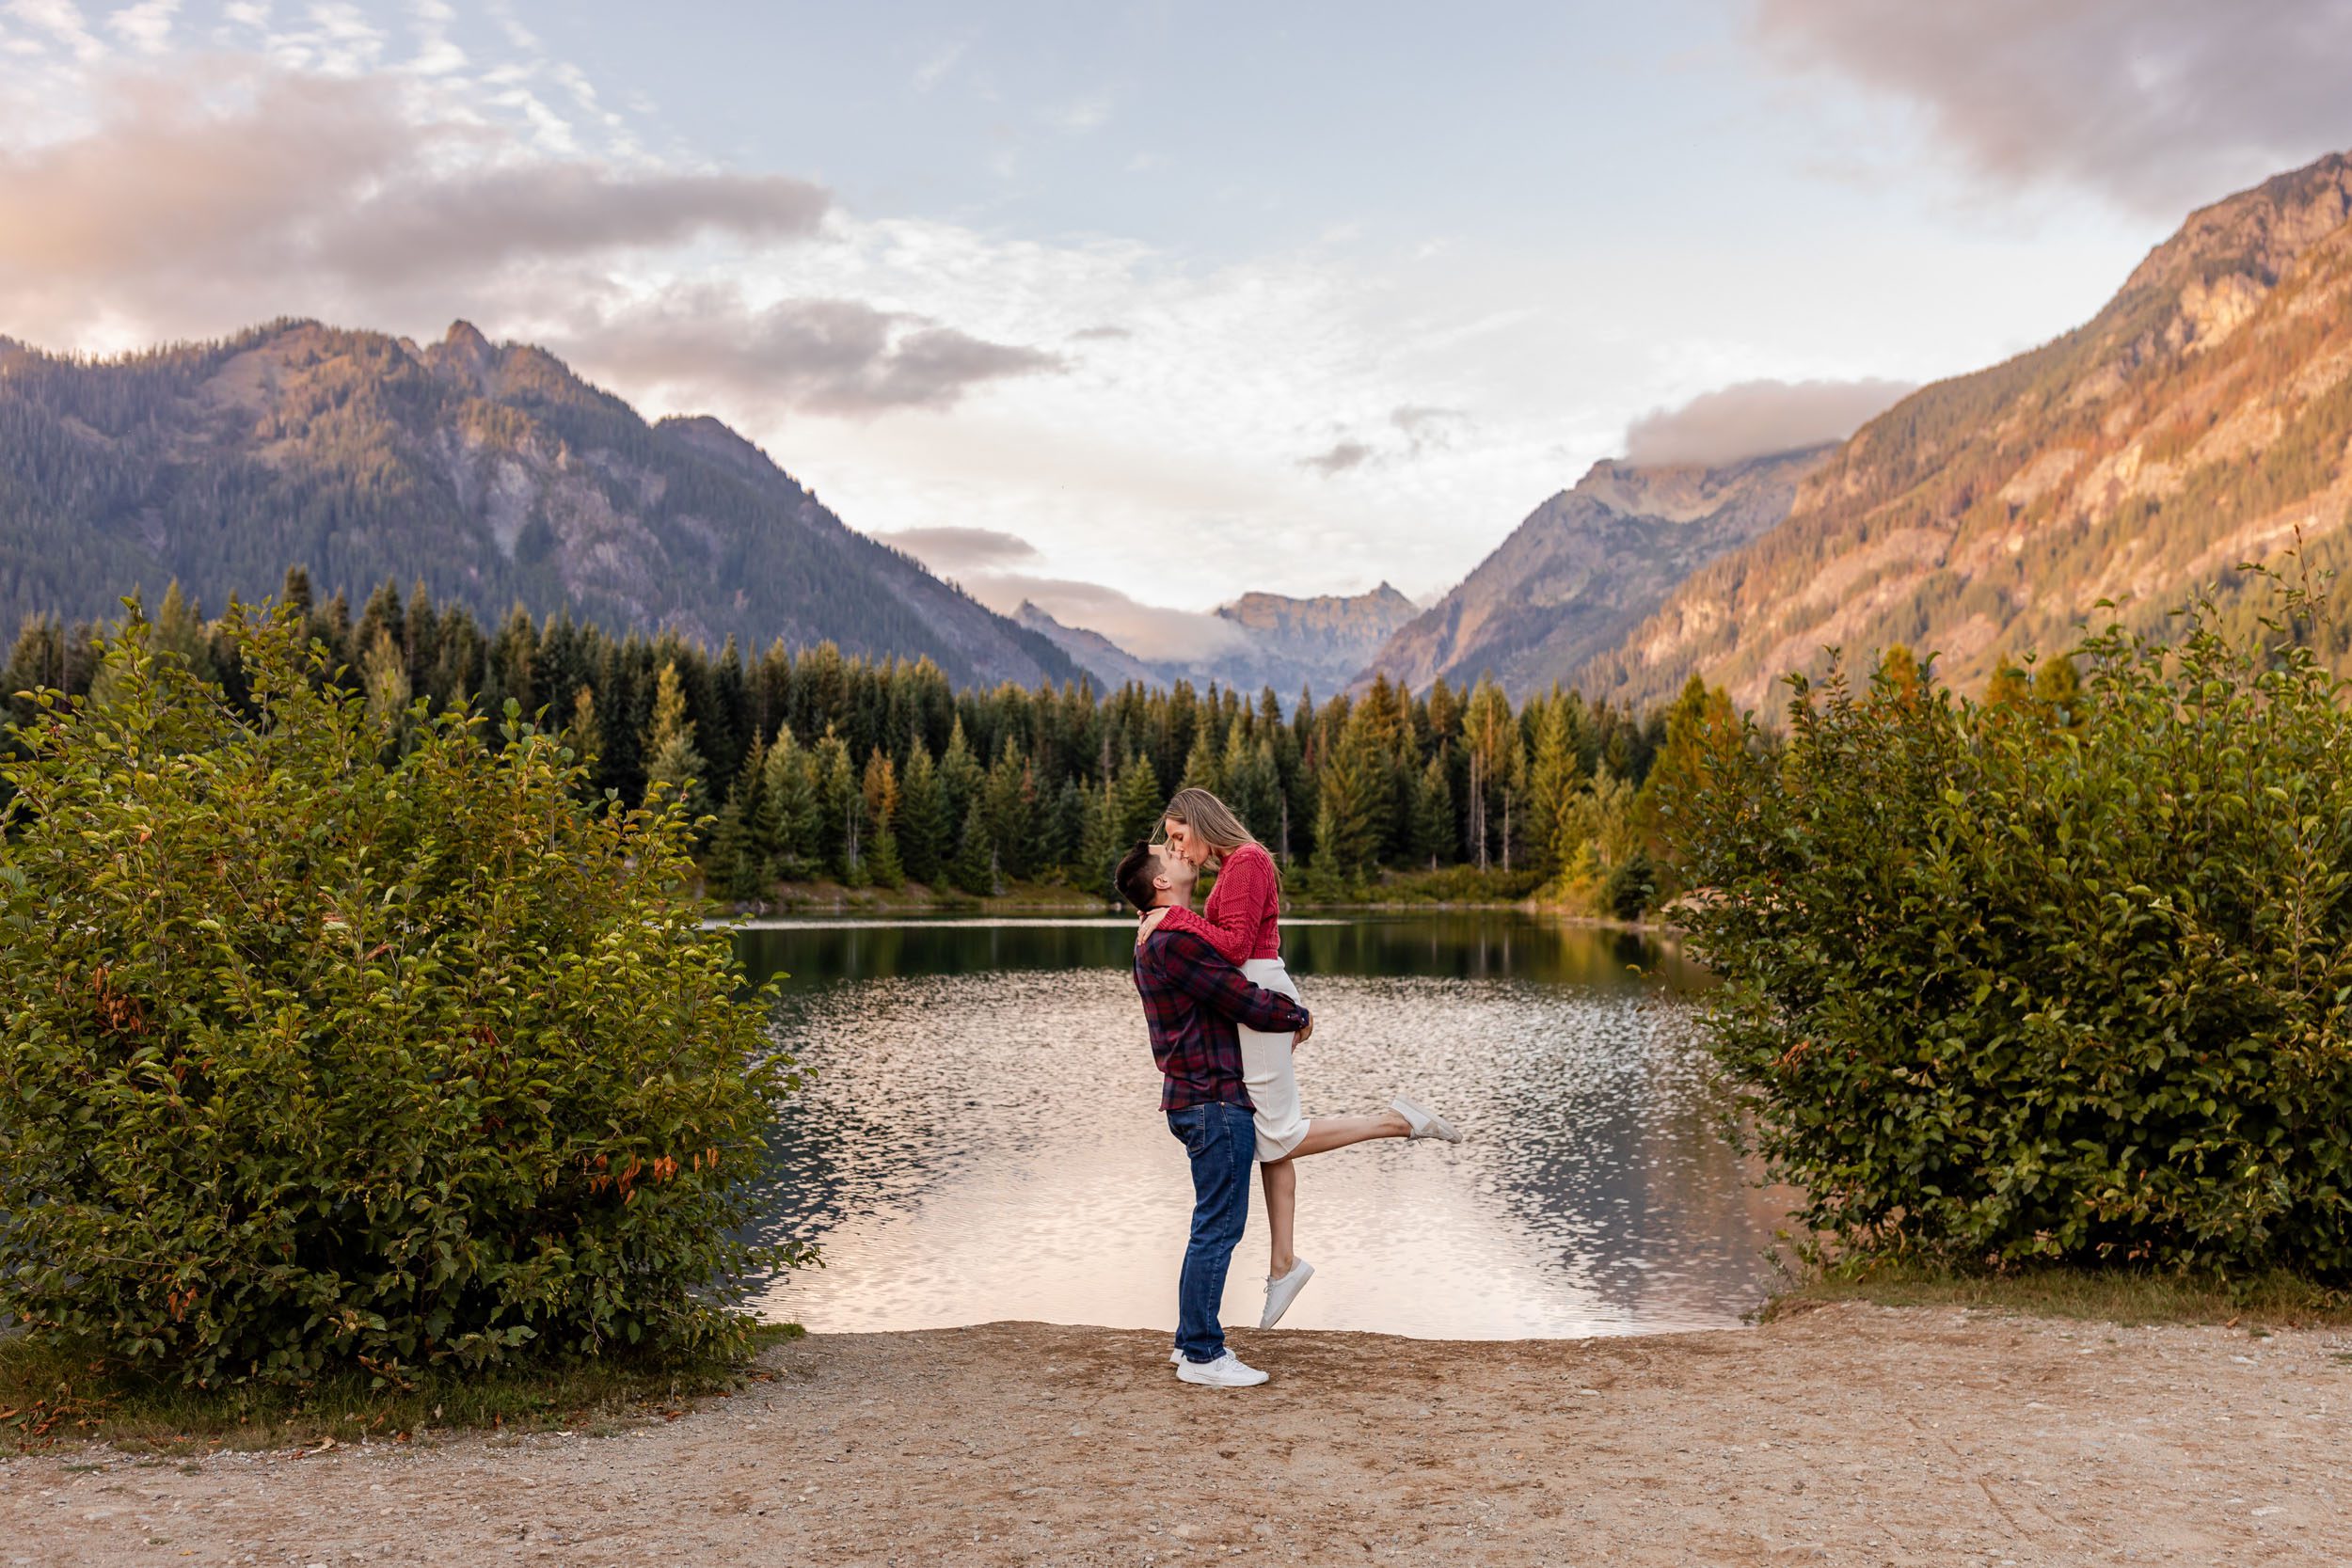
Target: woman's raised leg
1325,1133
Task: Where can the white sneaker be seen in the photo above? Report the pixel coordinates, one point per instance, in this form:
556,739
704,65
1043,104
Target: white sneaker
1424,1122
1281,1293
1226,1372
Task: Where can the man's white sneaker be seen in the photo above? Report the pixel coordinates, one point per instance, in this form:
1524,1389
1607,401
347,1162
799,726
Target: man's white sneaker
1281,1293
1424,1122
1226,1372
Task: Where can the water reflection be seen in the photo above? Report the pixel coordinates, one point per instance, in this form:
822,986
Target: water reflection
980,1140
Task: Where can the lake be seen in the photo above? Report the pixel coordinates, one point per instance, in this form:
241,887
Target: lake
981,1137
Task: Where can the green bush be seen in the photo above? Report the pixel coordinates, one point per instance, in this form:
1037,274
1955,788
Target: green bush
343,1039
2012,982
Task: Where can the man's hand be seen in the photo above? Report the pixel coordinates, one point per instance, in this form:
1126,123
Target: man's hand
1300,1039
1152,919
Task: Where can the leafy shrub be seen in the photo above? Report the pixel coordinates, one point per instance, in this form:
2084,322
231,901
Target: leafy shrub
341,1039
2010,983
1631,886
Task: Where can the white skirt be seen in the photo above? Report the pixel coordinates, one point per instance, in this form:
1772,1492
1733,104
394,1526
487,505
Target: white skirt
1269,1073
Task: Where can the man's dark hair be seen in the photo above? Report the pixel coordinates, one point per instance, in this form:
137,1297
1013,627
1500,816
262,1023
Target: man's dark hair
1134,875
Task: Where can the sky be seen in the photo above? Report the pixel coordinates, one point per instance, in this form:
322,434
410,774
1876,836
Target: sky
1133,308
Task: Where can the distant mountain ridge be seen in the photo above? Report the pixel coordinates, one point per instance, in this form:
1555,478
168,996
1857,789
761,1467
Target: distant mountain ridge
1587,567
491,473
1290,645
2202,419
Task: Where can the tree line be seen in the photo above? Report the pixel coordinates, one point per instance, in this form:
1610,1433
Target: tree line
814,763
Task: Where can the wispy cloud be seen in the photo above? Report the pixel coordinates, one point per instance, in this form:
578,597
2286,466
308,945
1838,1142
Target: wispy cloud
1338,458
1082,116
146,27
1755,419
818,356
940,64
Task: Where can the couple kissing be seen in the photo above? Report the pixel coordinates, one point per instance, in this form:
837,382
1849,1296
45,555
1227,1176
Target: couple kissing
1225,1019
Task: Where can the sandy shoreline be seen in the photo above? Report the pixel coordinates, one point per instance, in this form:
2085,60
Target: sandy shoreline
1849,1434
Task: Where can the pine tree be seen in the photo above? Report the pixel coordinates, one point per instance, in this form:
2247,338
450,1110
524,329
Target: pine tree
788,823
1253,784
2058,691
739,863
924,827
1205,766
1435,833
673,764
584,734
1100,849
2011,688
384,676
974,868
1008,801
1137,806
840,809
1348,810
1553,779
960,776
879,790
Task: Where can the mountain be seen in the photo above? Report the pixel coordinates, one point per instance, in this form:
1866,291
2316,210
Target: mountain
1111,665
1322,642
2200,419
1587,567
491,473
1287,644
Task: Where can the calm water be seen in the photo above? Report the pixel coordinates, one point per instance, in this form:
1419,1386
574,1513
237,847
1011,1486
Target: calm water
982,1140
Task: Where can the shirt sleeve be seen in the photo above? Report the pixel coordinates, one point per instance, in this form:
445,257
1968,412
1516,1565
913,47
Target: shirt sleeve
1202,972
1237,909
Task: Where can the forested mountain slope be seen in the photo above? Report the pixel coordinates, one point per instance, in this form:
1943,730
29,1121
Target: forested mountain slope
490,473
2200,419
1586,568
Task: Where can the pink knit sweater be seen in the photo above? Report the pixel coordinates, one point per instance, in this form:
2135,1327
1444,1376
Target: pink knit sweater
1242,919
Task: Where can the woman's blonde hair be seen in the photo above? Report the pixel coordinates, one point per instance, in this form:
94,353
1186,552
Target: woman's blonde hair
1212,818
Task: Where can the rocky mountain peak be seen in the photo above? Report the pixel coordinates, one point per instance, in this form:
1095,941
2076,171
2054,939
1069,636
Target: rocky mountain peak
1686,492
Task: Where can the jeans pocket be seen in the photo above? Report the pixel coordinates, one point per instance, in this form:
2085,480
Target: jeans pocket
1191,1127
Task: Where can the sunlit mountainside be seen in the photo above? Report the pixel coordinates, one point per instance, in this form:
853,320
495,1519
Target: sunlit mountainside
490,473
2202,419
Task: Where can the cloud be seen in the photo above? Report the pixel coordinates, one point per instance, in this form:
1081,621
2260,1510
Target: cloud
1147,631
184,190
61,20
1424,426
146,26
1088,114
2157,105
985,561
938,65
1338,458
818,355
1754,418
953,551
1093,334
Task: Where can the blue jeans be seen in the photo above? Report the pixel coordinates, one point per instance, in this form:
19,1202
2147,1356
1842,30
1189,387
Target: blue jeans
1222,1141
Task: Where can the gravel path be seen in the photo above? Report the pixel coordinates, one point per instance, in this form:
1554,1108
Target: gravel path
1850,1434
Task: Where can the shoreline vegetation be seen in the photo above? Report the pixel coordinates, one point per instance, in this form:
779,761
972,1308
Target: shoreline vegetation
1444,890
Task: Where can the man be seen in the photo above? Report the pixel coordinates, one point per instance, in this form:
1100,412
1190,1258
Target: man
1192,998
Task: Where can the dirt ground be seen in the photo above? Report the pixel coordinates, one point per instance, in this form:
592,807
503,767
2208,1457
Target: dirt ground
1849,1434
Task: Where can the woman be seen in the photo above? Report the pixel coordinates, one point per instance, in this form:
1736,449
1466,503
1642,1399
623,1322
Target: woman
1242,921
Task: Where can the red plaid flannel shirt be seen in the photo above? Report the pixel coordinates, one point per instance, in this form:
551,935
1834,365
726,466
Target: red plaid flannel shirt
1192,998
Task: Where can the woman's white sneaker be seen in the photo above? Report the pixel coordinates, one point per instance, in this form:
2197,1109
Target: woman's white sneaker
1226,1372
1281,1293
1424,1122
